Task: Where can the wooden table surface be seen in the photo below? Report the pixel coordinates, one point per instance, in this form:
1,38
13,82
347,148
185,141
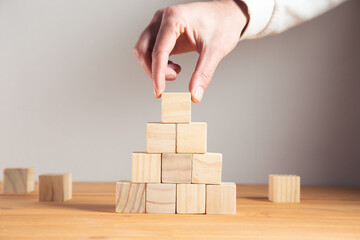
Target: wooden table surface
324,213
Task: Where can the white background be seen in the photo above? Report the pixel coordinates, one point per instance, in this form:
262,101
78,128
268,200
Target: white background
74,99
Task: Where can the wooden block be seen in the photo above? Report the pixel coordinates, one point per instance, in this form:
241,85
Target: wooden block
160,198
221,199
176,168
130,197
206,168
18,180
191,137
55,187
284,188
176,107
190,198
160,138
146,167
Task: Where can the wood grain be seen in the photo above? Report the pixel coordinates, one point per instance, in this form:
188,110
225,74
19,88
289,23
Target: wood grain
176,107
55,187
130,197
18,180
191,137
145,168
176,168
160,198
206,168
160,138
284,188
325,213
221,199
190,198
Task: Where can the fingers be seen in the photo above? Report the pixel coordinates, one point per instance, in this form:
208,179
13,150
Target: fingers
183,45
204,71
144,58
143,47
172,71
143,54
169,31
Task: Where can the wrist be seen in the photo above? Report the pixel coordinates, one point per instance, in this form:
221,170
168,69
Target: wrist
244,9
240,13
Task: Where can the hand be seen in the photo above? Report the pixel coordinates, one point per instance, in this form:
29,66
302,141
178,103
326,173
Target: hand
210,28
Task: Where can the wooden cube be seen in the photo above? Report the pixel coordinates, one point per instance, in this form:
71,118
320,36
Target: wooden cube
160,198
176,107
206,168
18,180
55,187
191,138
160,138
146,167
176,168
130,197
190,198
221,199
284,188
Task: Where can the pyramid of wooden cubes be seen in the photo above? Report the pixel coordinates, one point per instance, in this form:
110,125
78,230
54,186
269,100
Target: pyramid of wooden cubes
176,174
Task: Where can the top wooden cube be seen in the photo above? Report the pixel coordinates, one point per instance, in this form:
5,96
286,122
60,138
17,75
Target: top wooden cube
176,108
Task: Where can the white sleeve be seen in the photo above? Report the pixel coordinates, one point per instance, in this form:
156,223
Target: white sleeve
268,17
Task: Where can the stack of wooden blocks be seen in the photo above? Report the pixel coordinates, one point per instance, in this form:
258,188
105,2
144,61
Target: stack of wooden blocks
176,174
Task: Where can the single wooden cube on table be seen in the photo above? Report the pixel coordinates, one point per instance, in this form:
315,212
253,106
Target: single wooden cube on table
160,198
284,188
176,168
206,168
130,197
190,198
176,108
191,137
146,167
18,180
221,199
55,187
160,138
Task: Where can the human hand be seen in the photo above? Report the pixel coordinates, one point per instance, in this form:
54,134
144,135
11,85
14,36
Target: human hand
210,28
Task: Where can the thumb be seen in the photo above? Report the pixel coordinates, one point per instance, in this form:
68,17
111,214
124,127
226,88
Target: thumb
204,71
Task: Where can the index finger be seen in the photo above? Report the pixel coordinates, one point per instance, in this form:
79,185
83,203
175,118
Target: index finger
165,41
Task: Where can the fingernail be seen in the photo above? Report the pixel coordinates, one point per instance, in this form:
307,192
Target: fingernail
157,95
170,77
198,94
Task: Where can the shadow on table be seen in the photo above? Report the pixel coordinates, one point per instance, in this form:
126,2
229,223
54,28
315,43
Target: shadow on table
93,207
260,199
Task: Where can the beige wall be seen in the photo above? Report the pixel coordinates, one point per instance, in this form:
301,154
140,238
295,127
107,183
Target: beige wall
73,98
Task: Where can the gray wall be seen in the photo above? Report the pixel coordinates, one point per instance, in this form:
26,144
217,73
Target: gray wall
74,99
